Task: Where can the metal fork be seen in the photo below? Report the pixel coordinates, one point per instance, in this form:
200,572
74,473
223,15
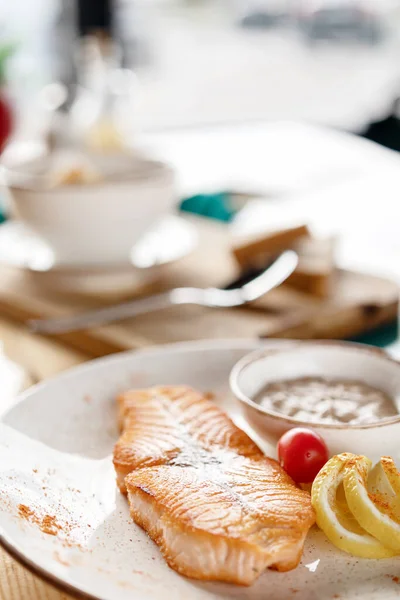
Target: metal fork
248,290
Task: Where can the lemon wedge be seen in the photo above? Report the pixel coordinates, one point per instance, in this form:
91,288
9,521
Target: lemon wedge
371,497
334,516
389,476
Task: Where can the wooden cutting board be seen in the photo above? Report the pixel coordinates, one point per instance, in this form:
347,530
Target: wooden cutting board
359,302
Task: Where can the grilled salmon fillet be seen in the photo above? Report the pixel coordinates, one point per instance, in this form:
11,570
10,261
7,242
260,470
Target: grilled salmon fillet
204,492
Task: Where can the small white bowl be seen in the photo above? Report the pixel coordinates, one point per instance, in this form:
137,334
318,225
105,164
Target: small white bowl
335,360
98,223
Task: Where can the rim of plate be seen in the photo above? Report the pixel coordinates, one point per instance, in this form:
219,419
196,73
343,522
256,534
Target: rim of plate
191,346
43,574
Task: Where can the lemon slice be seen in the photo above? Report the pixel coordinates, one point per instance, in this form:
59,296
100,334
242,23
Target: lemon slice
373,500
334,516
385,475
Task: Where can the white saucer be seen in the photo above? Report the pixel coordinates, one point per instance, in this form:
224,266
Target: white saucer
171,239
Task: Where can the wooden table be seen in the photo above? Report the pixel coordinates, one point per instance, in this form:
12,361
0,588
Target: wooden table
44,358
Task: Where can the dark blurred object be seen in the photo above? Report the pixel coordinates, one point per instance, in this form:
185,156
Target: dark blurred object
77,19
387,131
261,13
340,19
95,16
122,21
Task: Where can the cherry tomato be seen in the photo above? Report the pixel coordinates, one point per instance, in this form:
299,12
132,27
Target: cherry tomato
302,454
6,116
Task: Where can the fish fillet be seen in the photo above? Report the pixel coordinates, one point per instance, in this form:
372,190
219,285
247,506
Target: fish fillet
204,492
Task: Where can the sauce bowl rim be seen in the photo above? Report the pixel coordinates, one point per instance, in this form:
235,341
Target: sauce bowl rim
259,354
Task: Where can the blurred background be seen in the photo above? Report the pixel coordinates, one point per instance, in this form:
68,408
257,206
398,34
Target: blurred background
174,137
332,62
229,109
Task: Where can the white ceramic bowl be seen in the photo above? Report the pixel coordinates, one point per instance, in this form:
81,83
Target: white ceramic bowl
96,223
337,360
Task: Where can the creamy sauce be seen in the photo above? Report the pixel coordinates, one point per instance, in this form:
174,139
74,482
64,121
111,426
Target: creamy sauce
319,400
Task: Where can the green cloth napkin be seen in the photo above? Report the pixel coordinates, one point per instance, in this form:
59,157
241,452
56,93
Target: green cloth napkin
214,206
2,211
383,336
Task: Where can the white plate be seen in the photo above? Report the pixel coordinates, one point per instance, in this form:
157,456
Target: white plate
55,447
171,239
